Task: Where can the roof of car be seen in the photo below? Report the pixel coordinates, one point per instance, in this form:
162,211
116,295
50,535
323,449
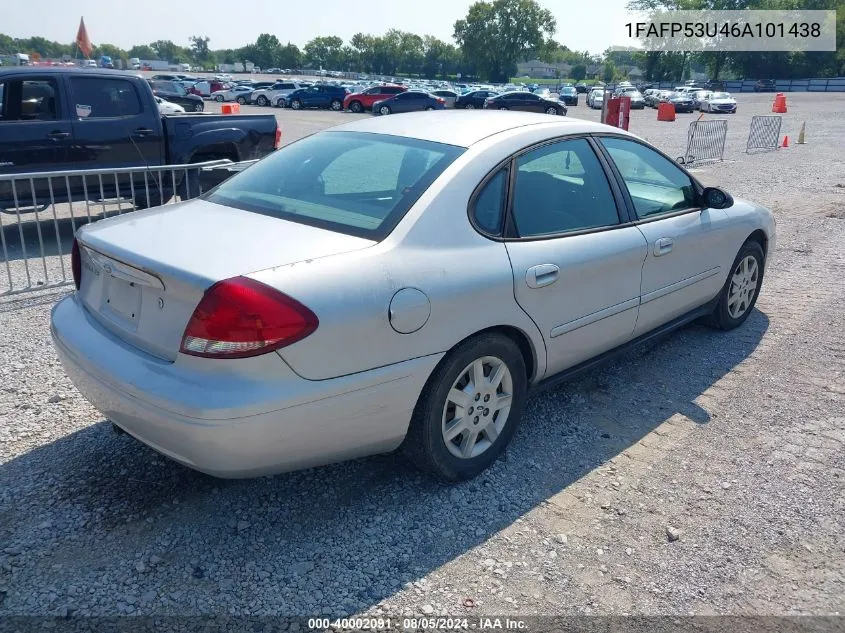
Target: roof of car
52,70
461,127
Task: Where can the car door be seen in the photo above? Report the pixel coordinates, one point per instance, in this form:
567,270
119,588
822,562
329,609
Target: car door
686,255
576,262
34,135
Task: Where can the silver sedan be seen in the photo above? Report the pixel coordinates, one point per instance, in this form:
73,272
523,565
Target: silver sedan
396,282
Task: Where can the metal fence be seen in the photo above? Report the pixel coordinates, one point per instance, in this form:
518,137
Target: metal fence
705,141
836,84
41,211
764,133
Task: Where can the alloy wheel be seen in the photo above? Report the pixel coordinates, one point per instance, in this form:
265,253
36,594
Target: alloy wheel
744,282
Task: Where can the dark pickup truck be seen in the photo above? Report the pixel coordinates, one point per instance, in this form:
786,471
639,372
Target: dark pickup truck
56,119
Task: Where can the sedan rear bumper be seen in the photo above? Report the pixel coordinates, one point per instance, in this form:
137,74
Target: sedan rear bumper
236,418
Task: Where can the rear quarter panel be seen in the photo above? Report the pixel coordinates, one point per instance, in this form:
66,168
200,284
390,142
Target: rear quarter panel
251,136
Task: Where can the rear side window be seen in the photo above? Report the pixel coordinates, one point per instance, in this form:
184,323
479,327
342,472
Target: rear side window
561,187
104,97
488,210
350,182
28,100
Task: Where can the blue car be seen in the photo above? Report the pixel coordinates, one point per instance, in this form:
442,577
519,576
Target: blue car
410,101
318,96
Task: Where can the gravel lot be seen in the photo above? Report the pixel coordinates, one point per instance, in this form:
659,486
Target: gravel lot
704,474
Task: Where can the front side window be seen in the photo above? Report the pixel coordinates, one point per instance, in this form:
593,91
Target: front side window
28,100
355,183
656,184
101,97
561,187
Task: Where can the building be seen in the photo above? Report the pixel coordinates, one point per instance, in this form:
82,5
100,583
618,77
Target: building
542,70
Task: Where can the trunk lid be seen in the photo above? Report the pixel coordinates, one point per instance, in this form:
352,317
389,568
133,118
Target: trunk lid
144,273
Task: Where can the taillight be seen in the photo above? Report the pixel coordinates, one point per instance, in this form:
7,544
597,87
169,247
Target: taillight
441,100
76,264
278,142
240,317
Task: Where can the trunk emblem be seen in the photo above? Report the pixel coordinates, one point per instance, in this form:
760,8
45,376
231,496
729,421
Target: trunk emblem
160,303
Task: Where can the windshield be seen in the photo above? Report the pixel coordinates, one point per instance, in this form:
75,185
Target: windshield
351,182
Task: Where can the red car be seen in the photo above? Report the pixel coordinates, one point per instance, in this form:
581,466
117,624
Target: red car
360,101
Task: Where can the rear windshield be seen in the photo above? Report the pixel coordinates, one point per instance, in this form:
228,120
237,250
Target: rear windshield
350,182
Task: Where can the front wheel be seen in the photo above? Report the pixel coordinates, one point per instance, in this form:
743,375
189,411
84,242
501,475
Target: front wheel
356,107
219,98
262,101
741,289
469,106
337,105
503,107
384,110
469,409
296,104
242,100
429,108
199,107
551,110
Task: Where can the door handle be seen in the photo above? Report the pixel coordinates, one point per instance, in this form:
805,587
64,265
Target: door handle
663,246
58,135
541,275
142,131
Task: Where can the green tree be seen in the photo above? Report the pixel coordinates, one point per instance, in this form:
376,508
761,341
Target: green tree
267,51
199,48
167,51
495,35
290,56
579,71
609,71
325,51
141,52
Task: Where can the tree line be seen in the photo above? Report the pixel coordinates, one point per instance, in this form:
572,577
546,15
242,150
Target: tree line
489,42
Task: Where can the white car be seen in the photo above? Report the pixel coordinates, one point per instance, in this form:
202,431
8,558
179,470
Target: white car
719,102
270,96
241,94
595,99
166,107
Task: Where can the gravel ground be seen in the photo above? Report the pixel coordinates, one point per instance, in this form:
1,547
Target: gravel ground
702,475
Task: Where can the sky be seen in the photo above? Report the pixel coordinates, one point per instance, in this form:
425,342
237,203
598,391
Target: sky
580,25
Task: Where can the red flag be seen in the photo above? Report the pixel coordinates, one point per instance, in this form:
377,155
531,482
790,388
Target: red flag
82,40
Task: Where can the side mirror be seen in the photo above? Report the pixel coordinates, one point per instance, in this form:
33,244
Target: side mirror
715,198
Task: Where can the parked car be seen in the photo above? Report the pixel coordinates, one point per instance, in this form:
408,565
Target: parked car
682,101
241,94
764,85
318,96
409,101
636,97
167,77
650,97
244,362
581,88
274,94
74,118
165,107
174,93
719,102
525,102
449,97
569,95
360,101
474,100
596,98
698,97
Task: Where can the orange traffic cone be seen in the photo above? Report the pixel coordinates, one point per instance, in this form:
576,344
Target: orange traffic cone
785,141
779,104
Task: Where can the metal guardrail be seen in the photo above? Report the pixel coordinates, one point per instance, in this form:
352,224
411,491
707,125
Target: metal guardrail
764,133
41,211
836,84
705,141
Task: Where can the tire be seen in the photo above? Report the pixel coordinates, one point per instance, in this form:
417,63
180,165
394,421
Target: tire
219,98
199,107
356,107
429,108
296,104
551,110
241,100
741,282
262,101
384,110
503,108
469,106
426,444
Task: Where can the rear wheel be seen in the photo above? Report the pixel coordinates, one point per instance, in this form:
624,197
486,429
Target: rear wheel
469,106
742,288
219,98
242,100
199,107
469,409
428,108
503,107
337,105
